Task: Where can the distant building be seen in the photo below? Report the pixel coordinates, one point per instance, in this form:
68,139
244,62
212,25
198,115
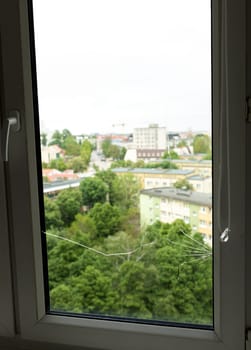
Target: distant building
153,137
49,153
131,154
150,154
201,183
168,204
51,175
151,178
200,167
147,155
173,139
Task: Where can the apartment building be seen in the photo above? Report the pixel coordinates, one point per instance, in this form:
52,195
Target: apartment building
201,183
168,204
153,137
200,167
152,178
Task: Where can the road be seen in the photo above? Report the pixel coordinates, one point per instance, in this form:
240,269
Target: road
100,161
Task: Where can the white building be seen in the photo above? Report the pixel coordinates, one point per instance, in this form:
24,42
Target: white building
153,137
49,153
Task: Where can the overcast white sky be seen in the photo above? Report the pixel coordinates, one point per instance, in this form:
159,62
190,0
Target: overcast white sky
106,62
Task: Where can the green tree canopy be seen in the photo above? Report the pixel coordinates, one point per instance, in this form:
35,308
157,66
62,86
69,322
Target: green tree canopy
52,213
71,146
69,203
106,145
83,224
113,151
170,155
183,184
56,139
107,219
93,190
58,164
77,164
125,191
108,177
163,272
85,152
182,144
201,144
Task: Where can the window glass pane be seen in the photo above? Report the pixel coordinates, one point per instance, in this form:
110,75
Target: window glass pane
124,90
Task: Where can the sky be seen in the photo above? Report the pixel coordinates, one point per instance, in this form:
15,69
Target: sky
113,65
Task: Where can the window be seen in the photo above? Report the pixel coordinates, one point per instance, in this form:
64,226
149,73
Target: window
20,181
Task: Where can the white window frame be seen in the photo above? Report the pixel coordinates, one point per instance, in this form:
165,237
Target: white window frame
30,321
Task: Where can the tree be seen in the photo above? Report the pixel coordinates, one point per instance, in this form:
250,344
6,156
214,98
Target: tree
125,191
94,290
182,144
66,133
43,139
85,153
69,203
106,145
52,214
201,144
132,289
122,153
72,148
183,184
77,164
93,190
56,139
130,221
170,155
83,224
58,164
113,151
108,177
166,276
107,219
207,156
123,164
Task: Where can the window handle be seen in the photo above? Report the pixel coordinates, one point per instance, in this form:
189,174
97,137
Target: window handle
13,124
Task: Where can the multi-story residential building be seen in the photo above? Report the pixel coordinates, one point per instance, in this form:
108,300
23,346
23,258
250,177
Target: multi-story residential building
200,167
201,183
168,204
152,178
153,137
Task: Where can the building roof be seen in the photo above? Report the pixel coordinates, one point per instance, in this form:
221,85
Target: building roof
60,185
198,198
197,178
152,171
192,161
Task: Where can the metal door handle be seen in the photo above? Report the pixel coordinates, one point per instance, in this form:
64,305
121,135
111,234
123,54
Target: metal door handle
13,124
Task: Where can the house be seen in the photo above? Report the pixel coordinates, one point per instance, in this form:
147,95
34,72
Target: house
49,153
